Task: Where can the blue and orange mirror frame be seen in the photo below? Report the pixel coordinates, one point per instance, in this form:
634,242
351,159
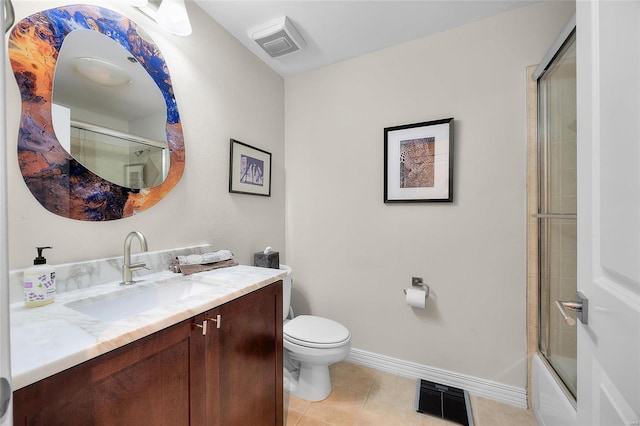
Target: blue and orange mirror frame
61,184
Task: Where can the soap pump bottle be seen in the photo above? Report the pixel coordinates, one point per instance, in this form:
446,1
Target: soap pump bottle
39,282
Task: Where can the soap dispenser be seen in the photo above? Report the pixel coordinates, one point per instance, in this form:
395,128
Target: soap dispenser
39,282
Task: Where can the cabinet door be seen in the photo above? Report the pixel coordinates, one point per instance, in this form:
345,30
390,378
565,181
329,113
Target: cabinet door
248,349
148,382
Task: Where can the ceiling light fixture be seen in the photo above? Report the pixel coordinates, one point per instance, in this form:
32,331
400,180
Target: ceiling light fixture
172,16
101,72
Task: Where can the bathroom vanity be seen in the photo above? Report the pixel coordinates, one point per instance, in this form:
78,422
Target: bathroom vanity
216,357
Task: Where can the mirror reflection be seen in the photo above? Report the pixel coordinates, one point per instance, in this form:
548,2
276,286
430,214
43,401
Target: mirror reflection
108,112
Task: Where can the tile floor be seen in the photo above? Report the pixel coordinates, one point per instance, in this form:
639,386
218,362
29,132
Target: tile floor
364,396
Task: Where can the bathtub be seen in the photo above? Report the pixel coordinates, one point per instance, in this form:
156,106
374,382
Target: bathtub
551,406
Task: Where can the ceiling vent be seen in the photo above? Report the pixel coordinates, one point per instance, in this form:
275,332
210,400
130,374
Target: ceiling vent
278,37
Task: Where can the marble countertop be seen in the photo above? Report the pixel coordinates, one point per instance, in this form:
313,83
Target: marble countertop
49,339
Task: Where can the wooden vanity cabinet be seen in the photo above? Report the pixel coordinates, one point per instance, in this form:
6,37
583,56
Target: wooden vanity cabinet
230,375
147,382
247,352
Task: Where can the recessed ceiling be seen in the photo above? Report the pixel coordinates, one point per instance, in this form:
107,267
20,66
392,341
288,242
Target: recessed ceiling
337,30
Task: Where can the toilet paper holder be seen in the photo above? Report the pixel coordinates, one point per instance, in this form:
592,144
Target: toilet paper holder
417,282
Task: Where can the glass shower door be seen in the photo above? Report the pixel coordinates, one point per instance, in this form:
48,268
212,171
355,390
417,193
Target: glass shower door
557,212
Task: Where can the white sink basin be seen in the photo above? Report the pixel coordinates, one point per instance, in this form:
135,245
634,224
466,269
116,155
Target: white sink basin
136,299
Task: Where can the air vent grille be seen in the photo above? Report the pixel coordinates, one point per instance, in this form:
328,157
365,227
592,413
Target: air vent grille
442,401
278,38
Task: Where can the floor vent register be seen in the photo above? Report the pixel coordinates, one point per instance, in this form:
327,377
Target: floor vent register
442,401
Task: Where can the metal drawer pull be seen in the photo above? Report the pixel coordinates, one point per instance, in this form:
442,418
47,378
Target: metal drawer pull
217,320
203,327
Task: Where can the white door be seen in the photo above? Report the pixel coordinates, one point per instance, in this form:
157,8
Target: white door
5,353
608,87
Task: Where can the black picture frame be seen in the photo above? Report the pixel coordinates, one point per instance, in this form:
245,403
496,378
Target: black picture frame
418,162
249,169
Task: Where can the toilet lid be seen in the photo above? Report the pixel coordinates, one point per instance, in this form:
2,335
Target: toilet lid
315,332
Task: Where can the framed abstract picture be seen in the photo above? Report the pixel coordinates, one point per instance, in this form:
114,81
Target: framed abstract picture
249,170
418,162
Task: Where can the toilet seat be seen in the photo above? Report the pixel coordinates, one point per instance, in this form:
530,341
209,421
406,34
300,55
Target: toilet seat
315,332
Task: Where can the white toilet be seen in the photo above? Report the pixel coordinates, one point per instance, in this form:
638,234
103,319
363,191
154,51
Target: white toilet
311,344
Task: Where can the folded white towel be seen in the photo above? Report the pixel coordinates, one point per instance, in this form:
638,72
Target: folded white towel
204,258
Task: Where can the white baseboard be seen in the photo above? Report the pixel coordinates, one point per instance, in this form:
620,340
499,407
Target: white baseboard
474,385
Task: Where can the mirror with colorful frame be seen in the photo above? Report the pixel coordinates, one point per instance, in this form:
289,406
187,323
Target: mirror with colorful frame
61,183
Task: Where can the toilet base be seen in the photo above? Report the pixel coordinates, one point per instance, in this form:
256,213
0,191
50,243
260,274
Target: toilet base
313,382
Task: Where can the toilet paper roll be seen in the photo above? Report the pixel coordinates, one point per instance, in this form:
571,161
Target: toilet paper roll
416,297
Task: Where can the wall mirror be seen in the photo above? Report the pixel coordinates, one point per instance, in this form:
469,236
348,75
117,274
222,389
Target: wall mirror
82,65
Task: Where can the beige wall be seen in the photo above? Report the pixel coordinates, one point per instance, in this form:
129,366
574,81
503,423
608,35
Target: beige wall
352,255
223,91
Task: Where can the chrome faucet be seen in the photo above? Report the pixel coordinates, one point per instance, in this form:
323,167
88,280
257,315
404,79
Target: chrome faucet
128,267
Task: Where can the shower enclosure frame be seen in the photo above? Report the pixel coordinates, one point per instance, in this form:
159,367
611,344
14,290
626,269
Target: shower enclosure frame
538,234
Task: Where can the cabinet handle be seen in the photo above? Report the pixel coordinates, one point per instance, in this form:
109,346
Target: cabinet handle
217,320
203,327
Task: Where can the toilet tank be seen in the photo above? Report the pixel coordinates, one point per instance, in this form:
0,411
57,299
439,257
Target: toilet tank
286,291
